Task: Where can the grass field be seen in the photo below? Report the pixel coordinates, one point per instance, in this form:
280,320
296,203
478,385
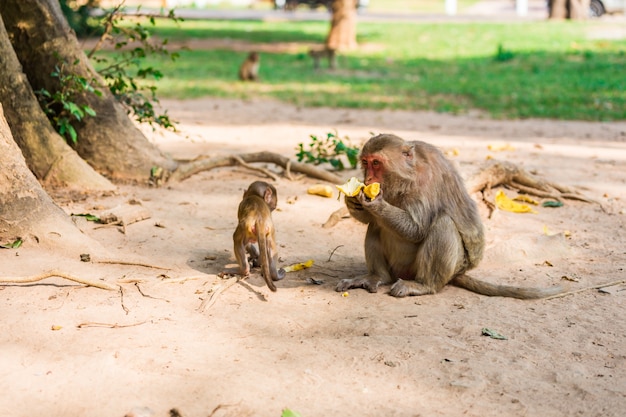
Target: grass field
559,70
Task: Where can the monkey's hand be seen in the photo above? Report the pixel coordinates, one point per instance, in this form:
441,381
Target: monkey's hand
355,207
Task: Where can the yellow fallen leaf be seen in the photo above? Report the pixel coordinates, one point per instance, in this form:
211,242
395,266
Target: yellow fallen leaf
505,203
321,190
299,266
499,147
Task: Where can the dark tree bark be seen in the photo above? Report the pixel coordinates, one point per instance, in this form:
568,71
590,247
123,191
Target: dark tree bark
568,9
342,35
26,211
110,142
48,156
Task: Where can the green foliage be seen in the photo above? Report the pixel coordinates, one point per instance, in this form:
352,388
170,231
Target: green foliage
13,245
332,150
558,71
290,413
80,17
126,73
503,55
62,106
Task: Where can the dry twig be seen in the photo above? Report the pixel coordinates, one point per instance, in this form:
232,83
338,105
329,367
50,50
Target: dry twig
594,287
34,278
215,292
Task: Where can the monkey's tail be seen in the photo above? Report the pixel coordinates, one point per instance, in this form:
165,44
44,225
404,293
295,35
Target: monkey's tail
264,256
486,288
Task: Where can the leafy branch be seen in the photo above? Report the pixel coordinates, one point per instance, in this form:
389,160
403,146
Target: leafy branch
332,150
61,106
124,72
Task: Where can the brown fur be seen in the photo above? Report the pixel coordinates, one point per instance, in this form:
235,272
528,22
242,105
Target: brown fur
424,230
256,226
249,69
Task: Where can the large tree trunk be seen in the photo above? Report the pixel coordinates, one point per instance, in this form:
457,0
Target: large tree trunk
48,156
26,211
342,35
110,142
568,9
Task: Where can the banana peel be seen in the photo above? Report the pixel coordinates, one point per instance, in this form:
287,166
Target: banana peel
321,190
299,266
353,187
505,203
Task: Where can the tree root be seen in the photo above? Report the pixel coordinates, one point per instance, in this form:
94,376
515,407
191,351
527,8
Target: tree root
39,277
188,169
495,173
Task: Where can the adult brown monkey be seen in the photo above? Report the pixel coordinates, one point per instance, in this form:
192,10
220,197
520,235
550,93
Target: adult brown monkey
424,230
255,226
249,69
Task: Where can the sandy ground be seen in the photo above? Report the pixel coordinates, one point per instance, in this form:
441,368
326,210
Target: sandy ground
70,350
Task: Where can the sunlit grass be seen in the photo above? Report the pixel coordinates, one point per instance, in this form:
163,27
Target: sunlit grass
520,70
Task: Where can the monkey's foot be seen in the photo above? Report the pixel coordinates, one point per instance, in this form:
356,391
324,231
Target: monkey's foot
280,274
368,282
403,288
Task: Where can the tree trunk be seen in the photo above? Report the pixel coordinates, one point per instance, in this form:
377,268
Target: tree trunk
26,211
568,9
110,142
48,156
342,35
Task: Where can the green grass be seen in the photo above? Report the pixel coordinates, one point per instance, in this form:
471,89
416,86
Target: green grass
510,70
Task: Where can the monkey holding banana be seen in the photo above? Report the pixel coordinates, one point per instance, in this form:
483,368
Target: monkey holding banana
424,230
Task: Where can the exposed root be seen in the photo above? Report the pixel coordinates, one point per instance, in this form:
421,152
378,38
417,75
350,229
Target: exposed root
188,169
495,173
335,216
35,278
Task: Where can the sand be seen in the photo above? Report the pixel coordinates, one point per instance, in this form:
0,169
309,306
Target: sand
158,343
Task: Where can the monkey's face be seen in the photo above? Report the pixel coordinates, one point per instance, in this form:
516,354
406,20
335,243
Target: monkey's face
373,168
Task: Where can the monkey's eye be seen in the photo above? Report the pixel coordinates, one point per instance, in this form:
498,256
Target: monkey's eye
375,162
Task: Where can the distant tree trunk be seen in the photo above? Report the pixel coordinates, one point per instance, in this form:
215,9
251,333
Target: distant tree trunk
110,142
48,156
568,9
26,211
342,35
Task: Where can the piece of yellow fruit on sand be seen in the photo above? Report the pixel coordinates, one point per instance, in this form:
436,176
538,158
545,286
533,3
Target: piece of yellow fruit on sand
320,189
299,266
352,187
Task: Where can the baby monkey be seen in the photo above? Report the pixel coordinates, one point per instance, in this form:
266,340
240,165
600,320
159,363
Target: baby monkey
256,226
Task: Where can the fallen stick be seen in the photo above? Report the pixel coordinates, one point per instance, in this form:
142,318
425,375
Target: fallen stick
594,287
25,280
215,292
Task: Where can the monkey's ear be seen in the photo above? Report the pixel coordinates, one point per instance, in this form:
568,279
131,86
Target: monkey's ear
267,196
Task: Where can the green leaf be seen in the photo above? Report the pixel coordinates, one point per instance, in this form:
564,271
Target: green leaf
13,245
290,413
551,203
89,217
492,334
